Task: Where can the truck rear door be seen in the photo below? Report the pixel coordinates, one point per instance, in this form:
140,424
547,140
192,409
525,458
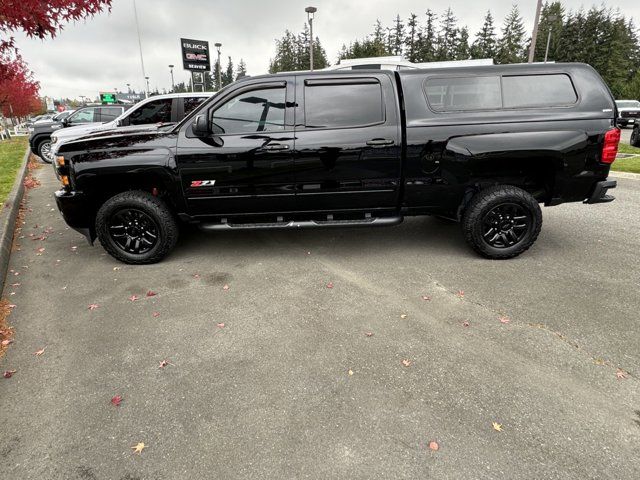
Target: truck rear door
348,142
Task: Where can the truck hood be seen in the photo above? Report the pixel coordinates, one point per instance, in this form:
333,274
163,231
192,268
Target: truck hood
71,133
119,136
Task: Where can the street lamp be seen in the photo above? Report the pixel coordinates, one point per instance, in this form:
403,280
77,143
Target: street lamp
147,79
218,45
550,19
128,88
135,14
310,14
173,85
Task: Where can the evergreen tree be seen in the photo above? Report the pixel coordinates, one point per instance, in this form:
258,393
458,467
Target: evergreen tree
511,46
292,53
228,74
485,43
551,22
216,69
396,37
411,40
426,49
462,48
242,70
447,37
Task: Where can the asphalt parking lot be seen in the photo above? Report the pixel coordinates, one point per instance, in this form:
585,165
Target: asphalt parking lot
272,374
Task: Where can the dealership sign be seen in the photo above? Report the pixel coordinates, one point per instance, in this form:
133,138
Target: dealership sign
195,55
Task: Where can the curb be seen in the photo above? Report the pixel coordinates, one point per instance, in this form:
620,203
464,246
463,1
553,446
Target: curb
8,218
635,176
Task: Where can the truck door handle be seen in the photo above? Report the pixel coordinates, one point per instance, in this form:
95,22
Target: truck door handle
275,147
380,142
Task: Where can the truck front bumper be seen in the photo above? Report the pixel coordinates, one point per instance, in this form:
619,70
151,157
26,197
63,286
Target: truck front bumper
599,194
76,211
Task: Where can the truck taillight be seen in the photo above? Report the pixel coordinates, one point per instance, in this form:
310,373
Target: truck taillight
610,148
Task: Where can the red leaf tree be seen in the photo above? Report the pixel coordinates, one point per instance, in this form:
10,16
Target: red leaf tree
38,19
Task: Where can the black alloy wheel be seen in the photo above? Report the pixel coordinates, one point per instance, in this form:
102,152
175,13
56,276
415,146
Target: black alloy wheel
133,231
505,225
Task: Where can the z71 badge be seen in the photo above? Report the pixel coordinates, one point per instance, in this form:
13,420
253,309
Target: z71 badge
203,183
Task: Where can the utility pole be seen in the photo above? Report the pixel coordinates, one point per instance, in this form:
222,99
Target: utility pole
144,75
550,19
218,46
173,84
310,14
534,35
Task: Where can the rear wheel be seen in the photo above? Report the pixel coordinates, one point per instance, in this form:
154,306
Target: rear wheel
44,151
635,137
136,228
502,222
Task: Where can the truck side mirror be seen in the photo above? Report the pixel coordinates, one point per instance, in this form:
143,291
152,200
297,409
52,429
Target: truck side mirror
200,126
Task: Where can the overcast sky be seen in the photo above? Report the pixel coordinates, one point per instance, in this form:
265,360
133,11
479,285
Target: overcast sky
102,53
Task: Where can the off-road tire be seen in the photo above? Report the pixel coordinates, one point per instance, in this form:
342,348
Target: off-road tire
153,207
41,144
484,202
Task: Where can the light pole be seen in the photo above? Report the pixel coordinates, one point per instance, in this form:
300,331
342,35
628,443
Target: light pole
128,88
173,85
550,19
310,14
218,46
135,13
534,35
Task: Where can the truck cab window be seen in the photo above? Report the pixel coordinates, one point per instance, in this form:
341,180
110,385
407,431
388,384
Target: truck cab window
251,112
191,103
343,105
158,111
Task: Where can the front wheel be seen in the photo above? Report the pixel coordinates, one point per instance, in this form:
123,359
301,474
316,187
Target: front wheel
502,222
45,152
136,228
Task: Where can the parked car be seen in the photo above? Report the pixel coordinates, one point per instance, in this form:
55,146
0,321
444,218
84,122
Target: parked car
480,145
40,138
170,108
628,112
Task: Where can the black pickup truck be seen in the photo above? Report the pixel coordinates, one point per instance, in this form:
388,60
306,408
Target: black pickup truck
480,145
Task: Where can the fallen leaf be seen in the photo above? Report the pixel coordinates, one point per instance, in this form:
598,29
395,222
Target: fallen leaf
466,323
115,269
497,426
621,374
116,400
139,447
433,445
330,285
16,284
11,306
599,361
426,298
133,298
41,249
6,342
403,316
39,352
504,319
196,275
156,314
368,334
460,294
221,325
406,363
93,306
350,372
151,294
226,287
8,373
164,363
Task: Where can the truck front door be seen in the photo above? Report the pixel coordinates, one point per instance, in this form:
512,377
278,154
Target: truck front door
348,142
246,164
